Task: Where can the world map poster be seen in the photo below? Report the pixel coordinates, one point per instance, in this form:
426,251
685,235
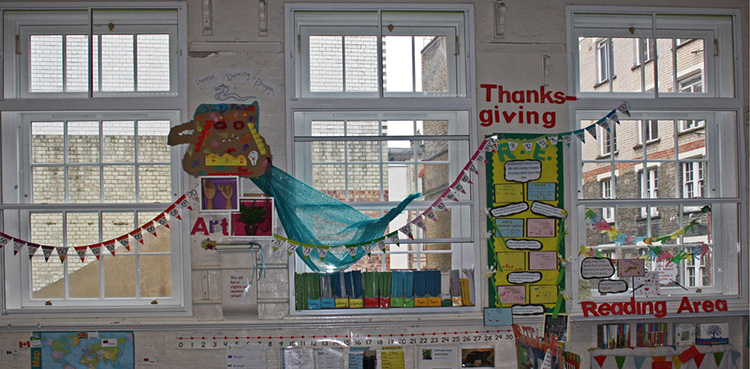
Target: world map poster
85,350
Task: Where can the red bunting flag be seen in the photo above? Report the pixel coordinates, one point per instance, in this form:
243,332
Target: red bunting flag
4,239
173,211
32,247
123,240
81,251
97,249
150,228
137,235
162,220
47,250
17,245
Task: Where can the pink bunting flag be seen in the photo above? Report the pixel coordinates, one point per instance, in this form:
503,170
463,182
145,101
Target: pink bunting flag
123,240
471,167
17,245
184,203
448,194
419,222
430,215
62,252
137,235
47,251
407,231
81,251
150,228
466,178
97,249
173,212
4,239
458,187
440,205
32,247
162,220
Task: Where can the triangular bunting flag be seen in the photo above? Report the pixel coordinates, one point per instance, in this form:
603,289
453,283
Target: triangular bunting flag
492,141
480,157
393,237
620,360
466,178
277,243
528,146
440,205
173,212
639,361
47,251
162,220
459,187
193,194
699,359
367,248
600,359
406,230
567,138
419,222
97,250
542,143
592,130
137,235
110,245
659,359
150,228
605,124
32,247
184,203
322,251
448,194
123,240
291,247
615,118
62,252
17,245
307,249
81,251
4,239
717,357
487,146
624,108
380,245
581,134
472,168
352,251
512,145
553,139
676,361
430,215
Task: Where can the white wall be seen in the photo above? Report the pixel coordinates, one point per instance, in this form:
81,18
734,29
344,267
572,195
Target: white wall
533,28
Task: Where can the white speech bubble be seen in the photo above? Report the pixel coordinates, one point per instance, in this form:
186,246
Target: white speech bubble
527,309
524,277
510,209
523,170
612,286
547,210
523,244
597,268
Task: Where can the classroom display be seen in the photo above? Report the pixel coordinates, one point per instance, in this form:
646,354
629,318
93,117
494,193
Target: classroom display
105,350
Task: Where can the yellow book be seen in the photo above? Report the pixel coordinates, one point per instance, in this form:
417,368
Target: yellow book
465,292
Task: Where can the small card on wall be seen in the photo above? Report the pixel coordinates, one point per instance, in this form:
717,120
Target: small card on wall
543,260
631,268
512,294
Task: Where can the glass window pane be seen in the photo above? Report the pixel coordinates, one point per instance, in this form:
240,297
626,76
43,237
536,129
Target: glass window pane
330,179
434,63
331,151
76,63
119,145
361,63
84,184
326,64
117,62
664,48
156,275
399,64
46,229
364,182
327,128
625,51
362,128
119,275
154,183
152,141
119,183
116,224
46,63
83,142
84,277
47,142
153,62
49,185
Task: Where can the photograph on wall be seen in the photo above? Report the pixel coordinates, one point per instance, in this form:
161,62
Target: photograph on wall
219,193
255,217
557,326
478,357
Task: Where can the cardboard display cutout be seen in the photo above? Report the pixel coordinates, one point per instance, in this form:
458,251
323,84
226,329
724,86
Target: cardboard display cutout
224,140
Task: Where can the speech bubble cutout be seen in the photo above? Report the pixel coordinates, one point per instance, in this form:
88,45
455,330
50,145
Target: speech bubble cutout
597,268
523,170
547,210
523,244
527,309
510,209
612,286
524,277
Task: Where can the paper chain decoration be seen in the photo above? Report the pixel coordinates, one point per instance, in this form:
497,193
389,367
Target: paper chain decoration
463,179
600,225
173,210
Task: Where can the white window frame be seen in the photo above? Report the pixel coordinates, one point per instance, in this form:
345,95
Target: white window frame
608,143
459,102
720,98
603,61
644,50
646,128
16,204
649,187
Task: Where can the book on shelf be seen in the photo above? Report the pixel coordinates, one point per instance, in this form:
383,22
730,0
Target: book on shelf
684,334
313,291
384,289
610,336
370,285
651,334
712,334
341,298
326,292
408,289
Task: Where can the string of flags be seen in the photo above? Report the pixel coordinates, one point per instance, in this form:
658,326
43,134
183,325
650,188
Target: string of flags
459,186
186,201
657,253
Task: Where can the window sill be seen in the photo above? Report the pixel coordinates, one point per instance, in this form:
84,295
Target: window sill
690,130
604,82
638,65
607,155
649,142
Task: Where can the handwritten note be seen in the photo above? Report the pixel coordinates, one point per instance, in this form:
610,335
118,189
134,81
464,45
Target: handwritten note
542,191
512,261
542,294
392,357
523,170
543,260
209,79
540,227
509,227
509,192
329,358
512,294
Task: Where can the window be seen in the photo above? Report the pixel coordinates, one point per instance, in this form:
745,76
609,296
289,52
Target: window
408,131
649,130
602,61
92,164
608,140
684,140
644,50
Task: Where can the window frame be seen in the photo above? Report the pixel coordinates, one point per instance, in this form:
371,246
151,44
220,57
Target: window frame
15,104
301,104
725,99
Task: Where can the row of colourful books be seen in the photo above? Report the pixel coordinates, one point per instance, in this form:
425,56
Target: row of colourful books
610,336
651,334
397,289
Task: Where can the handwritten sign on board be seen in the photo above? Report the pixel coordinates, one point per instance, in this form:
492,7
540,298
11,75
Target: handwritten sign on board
509,192
597,268
512,261
542,191
523,170
512,294
540,227
543,260
631,268
542,294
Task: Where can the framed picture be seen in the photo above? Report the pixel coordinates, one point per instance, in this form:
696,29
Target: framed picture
219,193
254,218
478,357
557,326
